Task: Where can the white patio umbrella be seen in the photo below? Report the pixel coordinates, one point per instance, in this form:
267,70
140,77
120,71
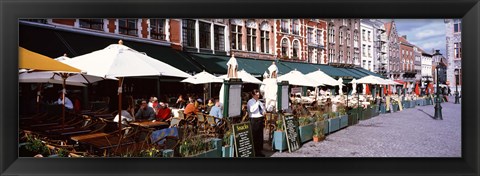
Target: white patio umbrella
245,76
370,79
295,77
121,61
322,78
203,78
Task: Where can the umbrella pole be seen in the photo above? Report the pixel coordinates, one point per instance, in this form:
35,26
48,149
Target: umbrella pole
38,96
64,77
120,81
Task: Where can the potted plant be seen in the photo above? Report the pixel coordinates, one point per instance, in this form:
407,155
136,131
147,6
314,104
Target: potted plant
318,133
395,106
279,137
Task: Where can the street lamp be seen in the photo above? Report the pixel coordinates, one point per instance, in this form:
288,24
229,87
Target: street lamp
438,107
456,87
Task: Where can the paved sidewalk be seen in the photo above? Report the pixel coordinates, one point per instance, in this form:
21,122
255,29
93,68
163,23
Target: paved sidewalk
409,133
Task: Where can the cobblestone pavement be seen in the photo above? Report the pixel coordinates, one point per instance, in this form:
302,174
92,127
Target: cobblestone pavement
409,133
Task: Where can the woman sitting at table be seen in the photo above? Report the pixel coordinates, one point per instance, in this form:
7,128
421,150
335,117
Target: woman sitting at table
180,104
126,116
190,109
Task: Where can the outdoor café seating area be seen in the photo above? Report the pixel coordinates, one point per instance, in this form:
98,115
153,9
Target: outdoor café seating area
146,126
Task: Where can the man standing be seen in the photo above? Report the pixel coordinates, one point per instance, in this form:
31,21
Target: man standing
145,112
256,111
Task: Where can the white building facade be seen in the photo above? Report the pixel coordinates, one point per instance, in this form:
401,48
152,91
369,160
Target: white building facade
426,68
367,44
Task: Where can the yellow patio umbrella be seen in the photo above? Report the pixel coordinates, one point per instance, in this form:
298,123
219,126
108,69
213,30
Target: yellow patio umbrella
31,60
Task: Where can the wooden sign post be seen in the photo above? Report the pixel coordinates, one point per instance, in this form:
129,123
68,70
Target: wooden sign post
290,124
243,140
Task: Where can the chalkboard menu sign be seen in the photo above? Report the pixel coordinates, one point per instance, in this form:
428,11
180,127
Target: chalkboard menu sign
243,140
290,124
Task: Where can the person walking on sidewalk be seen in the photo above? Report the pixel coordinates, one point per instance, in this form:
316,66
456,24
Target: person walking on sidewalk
256,112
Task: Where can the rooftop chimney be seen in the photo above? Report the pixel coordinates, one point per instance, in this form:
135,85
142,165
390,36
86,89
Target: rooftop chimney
405,37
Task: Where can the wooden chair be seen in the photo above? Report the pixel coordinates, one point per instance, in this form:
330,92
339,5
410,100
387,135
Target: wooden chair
201,122
215,126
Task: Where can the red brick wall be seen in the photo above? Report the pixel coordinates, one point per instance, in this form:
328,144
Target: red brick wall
70,22
111,25
145,30
175,34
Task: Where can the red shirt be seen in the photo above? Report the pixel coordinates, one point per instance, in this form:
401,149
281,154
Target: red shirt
163,113
190,109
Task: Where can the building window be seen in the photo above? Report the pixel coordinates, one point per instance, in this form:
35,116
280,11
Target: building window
96,24
205,33
363,35
284,25
219,38
127,26
331,34
355,38
236,37
369,36
265,40
364,64
348,38
251,39
349,57
284,47
369,51
331,55
340,37
320,37
296,27
340,56
457,26
296,49
369,65
458,49
157,29
364,52
310,55
310,35
319,56
188,27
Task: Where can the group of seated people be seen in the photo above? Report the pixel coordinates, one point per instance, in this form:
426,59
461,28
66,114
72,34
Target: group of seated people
153,110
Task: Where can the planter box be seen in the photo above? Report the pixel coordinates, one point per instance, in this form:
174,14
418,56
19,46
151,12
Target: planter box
412,104
326,127
406,104
333,124
352,119
343,121
216,152
306,132
226,151
383,109
279,141
367,113
375,111
395,107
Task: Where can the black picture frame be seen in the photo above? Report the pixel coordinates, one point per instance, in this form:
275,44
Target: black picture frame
11,11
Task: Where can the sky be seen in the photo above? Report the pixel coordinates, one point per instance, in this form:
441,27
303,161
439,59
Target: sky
424,33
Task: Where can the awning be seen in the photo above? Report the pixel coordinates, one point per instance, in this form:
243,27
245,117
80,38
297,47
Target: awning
305,68
75,44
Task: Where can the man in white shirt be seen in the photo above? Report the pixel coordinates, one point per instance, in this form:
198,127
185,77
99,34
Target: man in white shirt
256,112
68,103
